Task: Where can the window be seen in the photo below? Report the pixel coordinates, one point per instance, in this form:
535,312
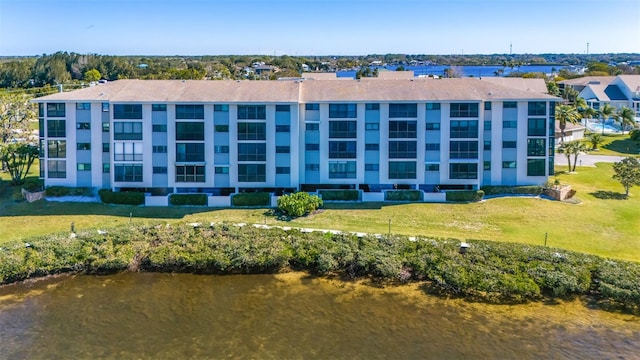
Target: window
537,108
127,151
41,147
127,111
221,149
433,126
83,126
537,127
463,171
372,106
509,144
342,150
312,126
342,170
312,167
536,147
252,112
536,167
56,128
189,112
190,173
402,169
189,152
283,128
371,167
432,167
486,165
252,152
105,127
372,146
459,110
221,108
433,106
283,149
41,110
57,148
342,130
222,128
56,169
510,105
312,106
83,167
403,110
83,146
220,170
312,147
105,147
159,128
158,107
509,124
432,146
252,173
487,124
159,169
105,107
41,127
372,126
283,108
508,164
127,130
487,105
348,111
463,150
487,145
283,170
128,173
189,131
402,129
464,129
159,149
402,149
55,109
106,168
252,131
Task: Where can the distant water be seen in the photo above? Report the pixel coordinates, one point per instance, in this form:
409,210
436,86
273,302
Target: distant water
466,71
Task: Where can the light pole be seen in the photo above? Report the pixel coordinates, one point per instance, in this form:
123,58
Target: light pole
389,227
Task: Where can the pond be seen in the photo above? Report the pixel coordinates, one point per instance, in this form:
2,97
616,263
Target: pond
293,315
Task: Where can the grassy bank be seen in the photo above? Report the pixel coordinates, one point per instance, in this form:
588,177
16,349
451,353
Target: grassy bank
489,271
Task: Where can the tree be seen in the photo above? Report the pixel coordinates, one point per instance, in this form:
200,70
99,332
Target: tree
552,87
566,114
605,112
595,139
15,113
626,116
92,75
18,158
298,204
572,149
627,172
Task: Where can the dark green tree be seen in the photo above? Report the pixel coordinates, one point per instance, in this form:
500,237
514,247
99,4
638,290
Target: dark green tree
17,158
627,172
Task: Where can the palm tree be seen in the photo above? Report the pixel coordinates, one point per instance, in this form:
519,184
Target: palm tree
595,139
565,114
626,116
605,112
572,148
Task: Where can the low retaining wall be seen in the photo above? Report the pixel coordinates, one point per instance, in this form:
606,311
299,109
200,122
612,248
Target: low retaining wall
559,193
372,196
156,201
33,196
435,197
219,201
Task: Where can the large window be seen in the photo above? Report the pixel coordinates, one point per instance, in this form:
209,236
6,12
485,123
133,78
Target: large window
402,150
127,151
159,107
221,108
83,146
252,173
459,110
536,167
347,111
536,147
283,108
189,131
189,111
127,111
463,150
252,112
537,108
57,148
127,173
464,128
189,152
252,131
403,129
56,128
56,169
190,173
509,144
342,150
55,110
252,152
463,171
342,170
510,105
312,106
402,169
127,130
343,130
403,110
537,127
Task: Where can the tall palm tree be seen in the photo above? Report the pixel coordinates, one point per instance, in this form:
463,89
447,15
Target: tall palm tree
566,114
626,116
572,148
605,112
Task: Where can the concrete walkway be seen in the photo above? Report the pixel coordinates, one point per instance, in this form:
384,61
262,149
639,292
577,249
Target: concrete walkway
587,159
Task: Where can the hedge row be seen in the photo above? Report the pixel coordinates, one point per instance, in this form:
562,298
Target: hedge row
58,191
188,199
122,197
465,195
403,195
512,190
489,271
339,195
251,199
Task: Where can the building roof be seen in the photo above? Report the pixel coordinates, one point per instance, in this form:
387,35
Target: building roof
633,83
535,85
569,127
294,91
614,93
586,80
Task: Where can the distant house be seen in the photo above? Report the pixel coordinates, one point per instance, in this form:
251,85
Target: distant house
617,91
571,132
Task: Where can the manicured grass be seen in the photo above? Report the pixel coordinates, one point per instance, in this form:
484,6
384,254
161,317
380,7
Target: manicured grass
619,145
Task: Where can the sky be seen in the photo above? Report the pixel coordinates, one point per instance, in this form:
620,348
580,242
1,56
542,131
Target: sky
319,27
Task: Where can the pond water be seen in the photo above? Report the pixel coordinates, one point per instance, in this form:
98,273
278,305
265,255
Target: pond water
289,316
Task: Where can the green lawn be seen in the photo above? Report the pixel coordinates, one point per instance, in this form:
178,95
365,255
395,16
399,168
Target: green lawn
619,145
602,224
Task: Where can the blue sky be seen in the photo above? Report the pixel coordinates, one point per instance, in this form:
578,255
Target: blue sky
320,27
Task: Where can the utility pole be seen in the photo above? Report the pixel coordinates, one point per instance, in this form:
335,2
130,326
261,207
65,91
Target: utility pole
510,48
587,48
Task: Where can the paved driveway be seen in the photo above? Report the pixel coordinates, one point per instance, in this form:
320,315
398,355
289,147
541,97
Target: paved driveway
588,159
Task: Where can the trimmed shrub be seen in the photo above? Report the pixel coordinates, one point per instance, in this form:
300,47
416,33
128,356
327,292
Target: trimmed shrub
58,191
465,195
123,198
33,184
188,199
251,199
512,190
339,195
298,204
634,134
403,195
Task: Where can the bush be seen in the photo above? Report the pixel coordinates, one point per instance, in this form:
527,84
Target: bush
634,134
403,195
298,204
251,199
58,191
33,184
512,190
339,195
188,199
465,195
123,198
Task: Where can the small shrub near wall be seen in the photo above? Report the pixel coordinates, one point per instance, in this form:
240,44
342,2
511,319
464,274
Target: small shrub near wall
298,204
403,195
512,190
188,199
123,198
339,195
251,199
465,196
58,191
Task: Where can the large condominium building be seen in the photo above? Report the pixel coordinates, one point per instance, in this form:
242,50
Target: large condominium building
221,137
